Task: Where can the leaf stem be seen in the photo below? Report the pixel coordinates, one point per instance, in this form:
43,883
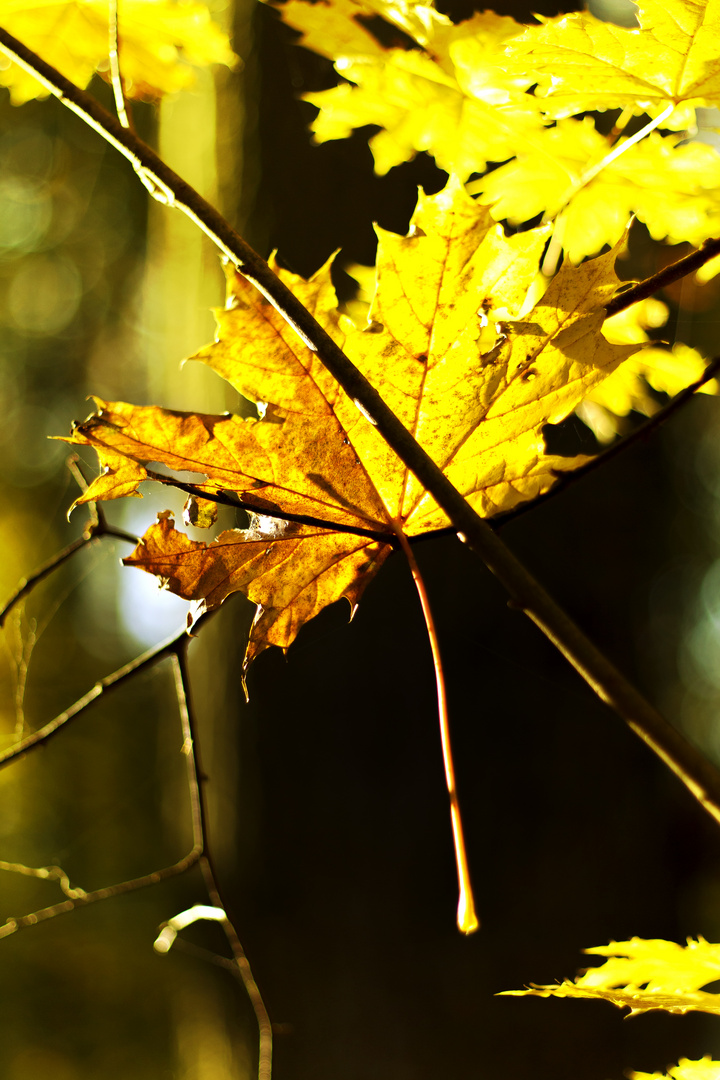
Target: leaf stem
114,60
467,920
620,149
555,246
200,817
700,777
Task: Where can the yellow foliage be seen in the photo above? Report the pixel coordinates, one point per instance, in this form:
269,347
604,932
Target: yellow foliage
473,382
453,100
704,1069
462,98
583,64
644,976
665,369
159,40
674,190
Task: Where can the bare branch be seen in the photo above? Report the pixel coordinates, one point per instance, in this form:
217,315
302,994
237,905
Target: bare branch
83,899
680,269
102,688
182,687
93,532
96,527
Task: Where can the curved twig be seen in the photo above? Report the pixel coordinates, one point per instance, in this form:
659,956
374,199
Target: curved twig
182,690
100,689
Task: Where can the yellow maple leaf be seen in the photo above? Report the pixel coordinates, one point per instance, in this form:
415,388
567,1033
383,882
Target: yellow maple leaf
334,28
159,39
476,402
673,189
584,64
331,29
703,1069
644,976
453,100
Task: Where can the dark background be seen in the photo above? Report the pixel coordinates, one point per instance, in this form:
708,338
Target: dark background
330,822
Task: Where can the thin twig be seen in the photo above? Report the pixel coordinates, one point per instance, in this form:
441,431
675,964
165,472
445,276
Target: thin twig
698,774
27,585
467,920
101,689
21,922
79,897
90,536
672,273
182,689
116,78
96,527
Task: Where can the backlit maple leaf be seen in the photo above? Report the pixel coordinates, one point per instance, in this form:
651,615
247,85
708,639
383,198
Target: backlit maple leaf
582,63
452,98
673,189
644,976
159,41
470,379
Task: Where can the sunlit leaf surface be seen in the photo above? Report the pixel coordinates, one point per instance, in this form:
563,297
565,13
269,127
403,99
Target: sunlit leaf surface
448,343
644,976
160,41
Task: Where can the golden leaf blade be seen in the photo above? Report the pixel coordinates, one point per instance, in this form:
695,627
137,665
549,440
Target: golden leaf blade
583,64
320,478
331,29
632,998
290,571
458,358
644,975
673,189
420,106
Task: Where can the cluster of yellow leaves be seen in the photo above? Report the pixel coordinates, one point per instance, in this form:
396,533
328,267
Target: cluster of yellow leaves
644,976
461,96
160,40
470,372
667,370
703,1069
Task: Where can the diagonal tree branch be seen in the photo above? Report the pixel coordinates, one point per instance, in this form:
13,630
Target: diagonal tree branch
700,777
689,264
